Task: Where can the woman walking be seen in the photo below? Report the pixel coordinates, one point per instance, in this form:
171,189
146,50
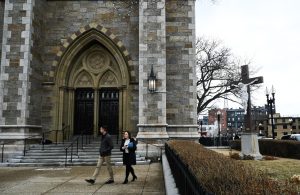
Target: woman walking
128,147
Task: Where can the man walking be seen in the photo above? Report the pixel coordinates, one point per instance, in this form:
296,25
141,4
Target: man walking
105,154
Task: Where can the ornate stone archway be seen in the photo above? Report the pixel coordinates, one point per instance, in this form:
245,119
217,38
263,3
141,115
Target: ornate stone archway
94,59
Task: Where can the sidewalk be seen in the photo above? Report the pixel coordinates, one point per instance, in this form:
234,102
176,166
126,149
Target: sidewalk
70,180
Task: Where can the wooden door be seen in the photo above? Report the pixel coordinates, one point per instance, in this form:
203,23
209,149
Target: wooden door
84,111
109,110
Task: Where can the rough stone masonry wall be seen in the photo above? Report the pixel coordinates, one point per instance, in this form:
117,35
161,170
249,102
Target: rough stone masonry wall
16,63
152,106
63,18
2,3
181,86
36,77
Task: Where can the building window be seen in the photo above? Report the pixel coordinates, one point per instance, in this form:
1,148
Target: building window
284,126
283,120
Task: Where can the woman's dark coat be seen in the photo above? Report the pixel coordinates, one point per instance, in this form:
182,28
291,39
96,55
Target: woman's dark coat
129,158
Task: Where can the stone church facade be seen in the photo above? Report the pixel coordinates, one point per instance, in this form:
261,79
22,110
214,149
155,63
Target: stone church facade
83,64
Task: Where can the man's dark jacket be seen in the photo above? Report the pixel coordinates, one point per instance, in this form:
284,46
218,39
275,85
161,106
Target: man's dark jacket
106,145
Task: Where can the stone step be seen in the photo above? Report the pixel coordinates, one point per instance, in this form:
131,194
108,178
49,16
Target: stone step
58,150
74,158
62,164
60,153
62,147
54,155
62,156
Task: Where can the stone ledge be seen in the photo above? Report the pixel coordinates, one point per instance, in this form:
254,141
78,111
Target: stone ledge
170,184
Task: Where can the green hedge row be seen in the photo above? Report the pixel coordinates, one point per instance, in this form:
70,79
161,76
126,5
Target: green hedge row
279,148
222,175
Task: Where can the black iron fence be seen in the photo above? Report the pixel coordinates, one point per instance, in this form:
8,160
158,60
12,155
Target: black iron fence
214,141
185,180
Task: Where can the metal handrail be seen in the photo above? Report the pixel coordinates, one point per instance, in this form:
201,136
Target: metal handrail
2,149
160,147
56,134
27,138
68,132
36,136
71,146
47,132
87,139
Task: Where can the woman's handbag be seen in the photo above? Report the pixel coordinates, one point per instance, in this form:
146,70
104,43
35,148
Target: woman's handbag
130,145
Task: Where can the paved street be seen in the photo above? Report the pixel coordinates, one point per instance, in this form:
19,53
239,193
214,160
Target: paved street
45,180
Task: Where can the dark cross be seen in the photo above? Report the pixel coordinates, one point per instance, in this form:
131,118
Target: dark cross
246,82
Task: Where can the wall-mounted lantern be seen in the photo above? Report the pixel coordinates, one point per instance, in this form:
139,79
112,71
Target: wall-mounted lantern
152,81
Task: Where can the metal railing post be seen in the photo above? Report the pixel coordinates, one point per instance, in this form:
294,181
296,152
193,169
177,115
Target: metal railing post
24,147
63,134
81,140
2,153
68,130
77,147
146,150
72,153
66,159
56,136
118,138
43,141
86,139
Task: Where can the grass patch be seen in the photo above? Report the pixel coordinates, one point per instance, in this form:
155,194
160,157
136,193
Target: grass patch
280,169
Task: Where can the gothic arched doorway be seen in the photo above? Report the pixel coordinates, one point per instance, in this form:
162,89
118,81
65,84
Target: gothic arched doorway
92,80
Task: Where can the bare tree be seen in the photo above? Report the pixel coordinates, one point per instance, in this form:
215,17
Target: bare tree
216,69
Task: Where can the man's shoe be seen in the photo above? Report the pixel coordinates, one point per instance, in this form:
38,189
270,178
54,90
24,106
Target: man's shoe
91,181
109,181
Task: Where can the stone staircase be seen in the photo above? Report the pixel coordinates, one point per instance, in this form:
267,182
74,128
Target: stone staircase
55,155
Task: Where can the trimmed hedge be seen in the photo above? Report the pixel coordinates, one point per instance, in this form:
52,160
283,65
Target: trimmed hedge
279,148
222,175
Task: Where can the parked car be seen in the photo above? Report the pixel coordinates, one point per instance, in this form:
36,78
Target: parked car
286,137
295,137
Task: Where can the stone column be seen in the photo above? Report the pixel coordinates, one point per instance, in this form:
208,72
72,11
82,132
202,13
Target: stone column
152,52
181,73
16,71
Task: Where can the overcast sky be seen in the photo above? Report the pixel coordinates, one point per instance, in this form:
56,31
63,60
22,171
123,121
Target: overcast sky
265,31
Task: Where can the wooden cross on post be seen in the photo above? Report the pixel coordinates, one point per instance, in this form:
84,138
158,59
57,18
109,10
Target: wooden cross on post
244,86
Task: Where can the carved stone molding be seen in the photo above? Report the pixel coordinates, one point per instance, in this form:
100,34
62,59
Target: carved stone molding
96,61
108,79
84,80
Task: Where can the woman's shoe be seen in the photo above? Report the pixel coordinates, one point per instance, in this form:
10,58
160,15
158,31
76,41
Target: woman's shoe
125,181
134,178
